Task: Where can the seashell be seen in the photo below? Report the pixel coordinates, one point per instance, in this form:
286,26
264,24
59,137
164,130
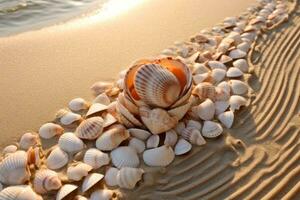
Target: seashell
90,181
171,138
157,120
127,177
123,111
234,72
124,157
205,110
77,171
236,37
182,147
9,149
79,197
221,106
179,128
226,118
137,144
225,59
193,135
57,159
237,53
180,111
241,64
204,91
112,138
249,36
101,87
244,46
33,156
102,99
46,180
211,129
20,192
67,117
120,83
111,176
159,157
199,38
131,107
78,104
218,74
109,120
236,102
65,191
194,124
102,195
199,78
153,141
96,108
225,86
50,130
168,52
139,133
200,68
70,143
14,169
90,128
238,87
216,65
221,94
28,140
96,158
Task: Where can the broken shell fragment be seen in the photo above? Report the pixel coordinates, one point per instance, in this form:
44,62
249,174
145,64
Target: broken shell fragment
91,180
96,108
124,157
65,191
127,177
159,157
50,130
236,102
211,129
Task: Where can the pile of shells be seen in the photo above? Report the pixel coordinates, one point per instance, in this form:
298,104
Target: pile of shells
157,109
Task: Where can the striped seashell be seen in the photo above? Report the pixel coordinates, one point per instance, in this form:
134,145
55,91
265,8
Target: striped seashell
96,108
221,106
50,130
78,104
90,128
9,149
171,138
57,159
237,53
205,110
236,101
193,135
67,117
112,138
159,157
65,191
139,133
211,129
124,157
101,87
96,158
91,180
104,194
28,140
226,118
205,90
128,177
46,180
102,99
20,192
137,144
77,171
241,64
111,176
234,72
156,85
70,143
153,141
238,87
182,147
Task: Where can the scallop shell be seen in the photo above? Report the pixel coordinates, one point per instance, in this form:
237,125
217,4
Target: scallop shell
226,118
139,133
102,99
211,129
205,110
238,87
241,64
109,120
218,75
127,177
153,141
234,72
96,158
111,176
70,143
91,180
90,128
101,87
159,157
96,108
57,159
65,191
112,138
236,102
20,192
102,195
216,65
67,117
193,135
237,53
77,171
221,106
124,157
182,147
205,90
78,104
9,149
137,144
46,180
171,138
27,140
50,130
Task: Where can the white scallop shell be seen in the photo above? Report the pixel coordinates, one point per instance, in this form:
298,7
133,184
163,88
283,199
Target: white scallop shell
182,147
226,118
67,117
152,141
65,190
96,158
194,124
234,72
96,108
171,138
139,133
90,128
28,140
124,157
50,130
102,99
236,102
78,104
237,53
57,159
90,181
20,192
241,64
78,171
218,74
137,144
193,135
109,120
159,157
216,65
127,177
9,149
206,110
46,180
104,194
211,129
238,87
111,176
70,143
221,106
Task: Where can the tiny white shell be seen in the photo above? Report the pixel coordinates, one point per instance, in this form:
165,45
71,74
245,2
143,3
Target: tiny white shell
78,171
200,68
226,118
28,140
244,46
96,108
102,195
152,141
171,138
221,106
194,124
182,147
236,102
218,74
124,157
65,190
193,135
238,87
241,64
70,143
57,159
101,87
78,104
139,133
46,180
102,99
199,78
67,117
216,65
20,192
237,53
159,157
111,176
224,86
211,129
234,72
96,158
90,181
50,130
127,177
9,149
137,144
206,110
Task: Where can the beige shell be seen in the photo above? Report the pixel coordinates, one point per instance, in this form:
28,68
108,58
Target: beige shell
224,85
57,159
218,75
90,128
139,133
78,104
180,111
104,194
124,157
70,143
205,110
101,87
137,144
28,140
179,127
182,147
221,106
91,180
171,138
111,176
79,197
65,191
67,117
241,64
225,59
238,87
102,99
152,142
211,129
200,78
194,124
205,90
112,138
9,149
159,157
226,118
236,101
127,177
46,180
96,108
20,192
96,158
109,120
244,46
50,130
221,94
199,68
234,72
237,53
77,171
216,65
193,135
124,112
